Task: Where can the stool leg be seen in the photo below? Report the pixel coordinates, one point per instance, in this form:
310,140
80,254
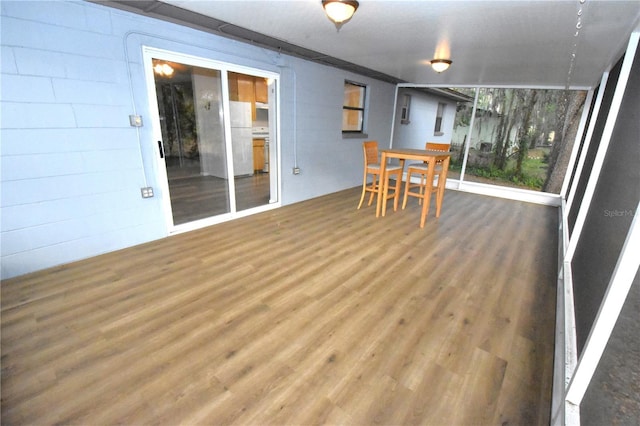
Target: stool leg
384,181
374,186
407,185
364,190
396,192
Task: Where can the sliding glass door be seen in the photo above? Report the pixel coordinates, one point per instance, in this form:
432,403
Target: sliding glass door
213,128
193,142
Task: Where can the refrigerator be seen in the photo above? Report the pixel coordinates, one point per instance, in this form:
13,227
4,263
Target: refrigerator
241,138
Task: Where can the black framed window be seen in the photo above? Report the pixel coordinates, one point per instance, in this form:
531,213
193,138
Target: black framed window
353,107
404,111
437,131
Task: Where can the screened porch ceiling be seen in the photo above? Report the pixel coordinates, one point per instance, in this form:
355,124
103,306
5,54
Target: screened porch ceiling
491,43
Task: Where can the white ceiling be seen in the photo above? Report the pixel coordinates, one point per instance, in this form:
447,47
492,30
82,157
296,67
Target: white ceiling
514,43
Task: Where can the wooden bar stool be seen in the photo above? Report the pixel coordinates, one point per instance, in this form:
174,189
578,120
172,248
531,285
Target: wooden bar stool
372,167
422,169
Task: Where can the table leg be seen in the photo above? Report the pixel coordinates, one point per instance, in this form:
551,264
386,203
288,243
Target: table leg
381,183
385,191
427,193
398,190
442,182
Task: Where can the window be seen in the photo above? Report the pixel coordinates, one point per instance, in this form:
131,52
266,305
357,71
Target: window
437,131
404,111
353,108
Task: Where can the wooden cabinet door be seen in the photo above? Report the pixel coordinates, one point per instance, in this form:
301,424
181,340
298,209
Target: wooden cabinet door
261,90
258,155
246,91
233,87
247,88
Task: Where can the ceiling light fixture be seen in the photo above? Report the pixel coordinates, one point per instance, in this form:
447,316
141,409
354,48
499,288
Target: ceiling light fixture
163,69
440,65
340,11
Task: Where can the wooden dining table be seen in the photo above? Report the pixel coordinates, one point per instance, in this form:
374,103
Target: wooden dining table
428,156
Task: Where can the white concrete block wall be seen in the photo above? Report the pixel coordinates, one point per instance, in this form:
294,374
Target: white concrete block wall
72,167
422,117
328,161
70,163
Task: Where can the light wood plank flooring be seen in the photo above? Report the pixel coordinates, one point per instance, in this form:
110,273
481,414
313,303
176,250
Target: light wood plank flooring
315,313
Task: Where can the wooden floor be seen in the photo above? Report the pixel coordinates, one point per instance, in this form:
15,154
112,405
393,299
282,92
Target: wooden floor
314,313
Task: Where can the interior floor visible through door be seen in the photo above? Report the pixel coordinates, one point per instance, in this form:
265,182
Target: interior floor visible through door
193,197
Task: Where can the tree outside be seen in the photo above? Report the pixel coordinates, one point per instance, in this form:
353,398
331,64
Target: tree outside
521,137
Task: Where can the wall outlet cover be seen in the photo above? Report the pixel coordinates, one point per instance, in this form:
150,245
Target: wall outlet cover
135,120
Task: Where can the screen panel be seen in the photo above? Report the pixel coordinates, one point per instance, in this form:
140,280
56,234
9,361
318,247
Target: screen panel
612,209
582,141
601,119
613,395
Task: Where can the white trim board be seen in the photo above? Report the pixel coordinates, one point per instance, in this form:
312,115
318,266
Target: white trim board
566,352
517,194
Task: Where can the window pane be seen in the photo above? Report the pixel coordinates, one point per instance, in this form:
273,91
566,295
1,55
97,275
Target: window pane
351,120
353,95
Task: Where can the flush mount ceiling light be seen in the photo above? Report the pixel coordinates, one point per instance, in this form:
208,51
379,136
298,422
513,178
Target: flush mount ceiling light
440,65
163,69
340,11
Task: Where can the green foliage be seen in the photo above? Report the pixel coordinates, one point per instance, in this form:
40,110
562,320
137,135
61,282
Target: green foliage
532,182
530,176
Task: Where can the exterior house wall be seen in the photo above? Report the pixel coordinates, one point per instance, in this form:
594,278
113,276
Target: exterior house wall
422,120
72,166
485,129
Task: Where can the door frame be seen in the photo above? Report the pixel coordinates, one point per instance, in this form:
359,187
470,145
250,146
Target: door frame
149,53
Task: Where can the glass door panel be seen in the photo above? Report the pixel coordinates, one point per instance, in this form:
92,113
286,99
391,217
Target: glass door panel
249,112
190,107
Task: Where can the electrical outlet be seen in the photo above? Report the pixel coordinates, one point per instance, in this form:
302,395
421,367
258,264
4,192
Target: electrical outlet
135,120
296,170
146,192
